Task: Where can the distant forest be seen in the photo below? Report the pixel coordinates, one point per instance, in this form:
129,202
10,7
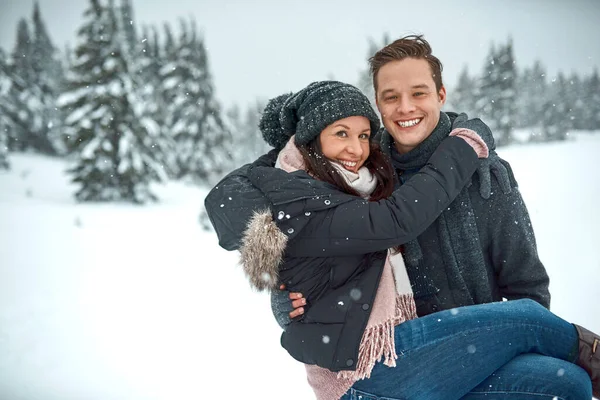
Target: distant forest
130,106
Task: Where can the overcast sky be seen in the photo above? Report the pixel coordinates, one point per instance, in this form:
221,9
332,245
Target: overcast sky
262,48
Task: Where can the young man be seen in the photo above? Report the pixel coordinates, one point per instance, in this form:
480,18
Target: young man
482,248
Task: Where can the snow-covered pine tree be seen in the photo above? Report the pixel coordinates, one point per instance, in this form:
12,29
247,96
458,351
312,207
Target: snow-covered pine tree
150,106
488,90
505,102
3,146
117,146
45,85
576,102
246,143
365,79
193,117
128,26
591,108
147,63
22,52
464,96
5,84
17,104
555,121
533,93
68,58
496,100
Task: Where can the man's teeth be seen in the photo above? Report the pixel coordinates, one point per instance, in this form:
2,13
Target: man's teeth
350,164
412,122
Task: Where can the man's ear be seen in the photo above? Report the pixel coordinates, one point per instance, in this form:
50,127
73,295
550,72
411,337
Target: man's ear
442,95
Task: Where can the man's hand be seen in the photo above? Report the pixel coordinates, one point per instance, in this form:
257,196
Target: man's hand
286,306
493,166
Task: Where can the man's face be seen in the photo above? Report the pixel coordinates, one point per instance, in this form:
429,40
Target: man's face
408,101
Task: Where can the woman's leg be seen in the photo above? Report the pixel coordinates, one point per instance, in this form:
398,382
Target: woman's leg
447,354
534,377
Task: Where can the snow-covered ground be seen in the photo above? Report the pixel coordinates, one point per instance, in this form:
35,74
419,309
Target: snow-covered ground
114,301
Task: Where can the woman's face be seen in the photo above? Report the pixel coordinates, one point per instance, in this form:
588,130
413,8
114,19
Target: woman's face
346,142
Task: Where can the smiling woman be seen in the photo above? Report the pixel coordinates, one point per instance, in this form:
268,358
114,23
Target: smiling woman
347,142
343,121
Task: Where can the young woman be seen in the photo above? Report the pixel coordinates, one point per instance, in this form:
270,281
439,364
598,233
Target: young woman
332,231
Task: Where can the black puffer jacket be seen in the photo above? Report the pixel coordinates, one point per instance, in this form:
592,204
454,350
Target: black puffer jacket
329,245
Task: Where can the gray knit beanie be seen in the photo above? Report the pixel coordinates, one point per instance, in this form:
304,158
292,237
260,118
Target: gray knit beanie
311,110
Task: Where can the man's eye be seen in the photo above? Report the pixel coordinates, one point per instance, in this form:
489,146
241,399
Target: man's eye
391,98
418,94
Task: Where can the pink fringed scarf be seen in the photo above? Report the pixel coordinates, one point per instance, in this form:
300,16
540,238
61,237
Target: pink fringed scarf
394,304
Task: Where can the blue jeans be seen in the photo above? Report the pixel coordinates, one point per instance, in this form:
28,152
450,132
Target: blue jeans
506,350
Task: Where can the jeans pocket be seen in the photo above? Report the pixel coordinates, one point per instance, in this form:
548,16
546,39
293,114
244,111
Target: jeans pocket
354,394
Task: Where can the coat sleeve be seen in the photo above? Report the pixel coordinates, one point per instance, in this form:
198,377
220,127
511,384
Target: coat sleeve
512,247
231,203
358,226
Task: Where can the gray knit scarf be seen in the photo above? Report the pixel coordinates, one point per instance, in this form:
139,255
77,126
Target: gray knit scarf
455,225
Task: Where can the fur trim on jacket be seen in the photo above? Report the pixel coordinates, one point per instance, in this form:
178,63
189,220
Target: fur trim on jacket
262,249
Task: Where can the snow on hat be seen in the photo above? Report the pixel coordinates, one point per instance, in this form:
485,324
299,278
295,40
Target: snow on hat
311,110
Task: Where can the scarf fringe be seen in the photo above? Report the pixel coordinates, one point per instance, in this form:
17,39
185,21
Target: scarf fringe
378,341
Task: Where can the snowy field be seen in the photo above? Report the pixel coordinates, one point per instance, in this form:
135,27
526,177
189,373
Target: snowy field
114,301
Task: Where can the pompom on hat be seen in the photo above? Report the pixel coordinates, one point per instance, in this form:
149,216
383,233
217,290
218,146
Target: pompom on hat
309,111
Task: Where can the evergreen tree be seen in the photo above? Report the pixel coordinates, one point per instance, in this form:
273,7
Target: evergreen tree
5,85
128,26
193,117
3,147
532,97
18,101
591,109
117,146
555,121
45,86
247,143
68,58
365,79
488,90
36,76
148,65
505,102
575,102
22,52
496,103
464,97
171,49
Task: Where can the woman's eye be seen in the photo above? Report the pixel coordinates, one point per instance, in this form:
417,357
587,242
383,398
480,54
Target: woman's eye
341,134
364,136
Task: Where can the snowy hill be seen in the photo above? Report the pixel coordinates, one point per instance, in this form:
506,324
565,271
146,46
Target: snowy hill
114,301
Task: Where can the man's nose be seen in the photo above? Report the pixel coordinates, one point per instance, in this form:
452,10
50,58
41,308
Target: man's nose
405,105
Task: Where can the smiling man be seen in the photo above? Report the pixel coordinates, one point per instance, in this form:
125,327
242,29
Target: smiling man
409,100
482,248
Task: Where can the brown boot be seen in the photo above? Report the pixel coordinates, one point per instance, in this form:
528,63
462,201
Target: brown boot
589,356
